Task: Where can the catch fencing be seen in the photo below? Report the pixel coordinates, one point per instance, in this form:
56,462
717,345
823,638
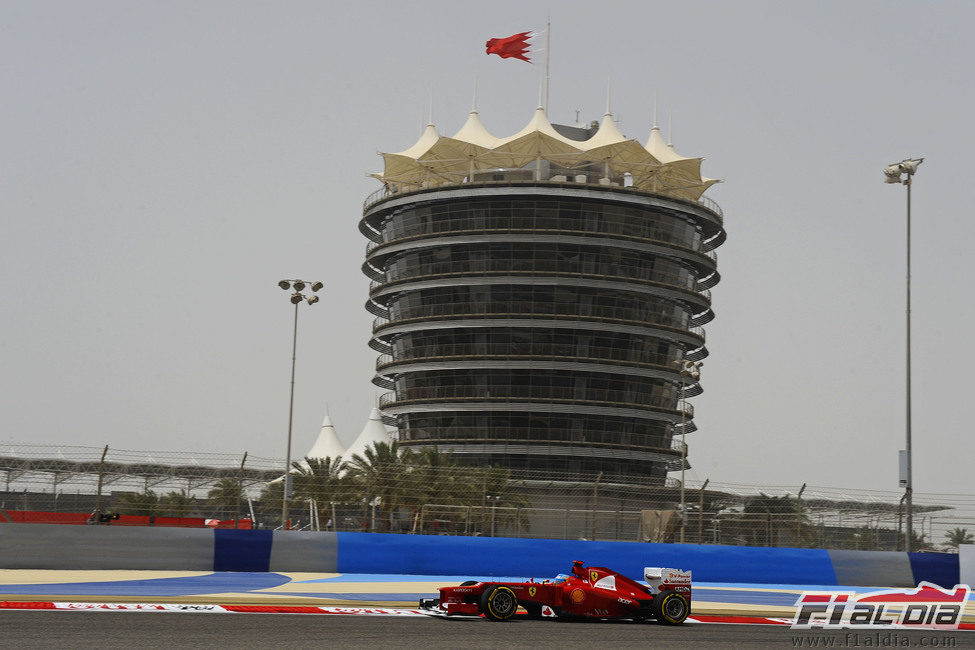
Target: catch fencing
433,496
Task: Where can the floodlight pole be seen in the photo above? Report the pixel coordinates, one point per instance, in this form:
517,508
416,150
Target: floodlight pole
894,174
909,488
291,410
296,299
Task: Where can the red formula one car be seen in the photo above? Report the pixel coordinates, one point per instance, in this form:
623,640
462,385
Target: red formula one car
587,592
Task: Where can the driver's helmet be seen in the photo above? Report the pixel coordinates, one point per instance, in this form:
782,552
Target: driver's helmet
562,577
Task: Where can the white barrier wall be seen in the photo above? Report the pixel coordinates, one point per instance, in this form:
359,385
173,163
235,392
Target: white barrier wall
50,546
966,564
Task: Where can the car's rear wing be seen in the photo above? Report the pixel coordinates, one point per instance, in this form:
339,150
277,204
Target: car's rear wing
663,579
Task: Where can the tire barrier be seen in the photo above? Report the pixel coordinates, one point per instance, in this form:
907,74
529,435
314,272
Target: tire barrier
50,546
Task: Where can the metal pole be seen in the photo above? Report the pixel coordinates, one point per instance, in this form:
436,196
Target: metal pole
291,409
683,454
548,57
240,491
700,513
909,488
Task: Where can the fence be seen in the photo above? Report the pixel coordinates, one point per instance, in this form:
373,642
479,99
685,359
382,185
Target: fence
430,495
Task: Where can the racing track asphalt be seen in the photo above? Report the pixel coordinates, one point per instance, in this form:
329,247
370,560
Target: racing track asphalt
49,629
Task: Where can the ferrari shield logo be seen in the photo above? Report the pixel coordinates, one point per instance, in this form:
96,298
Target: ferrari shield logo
531,591
593,576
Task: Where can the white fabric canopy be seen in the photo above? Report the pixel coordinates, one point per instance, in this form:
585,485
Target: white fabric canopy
327,445
435,160
373,432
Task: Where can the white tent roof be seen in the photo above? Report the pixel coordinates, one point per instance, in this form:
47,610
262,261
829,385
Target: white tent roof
328,444
373,432
474,132
434,160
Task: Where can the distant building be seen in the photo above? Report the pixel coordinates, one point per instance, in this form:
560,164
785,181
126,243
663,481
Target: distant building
532,294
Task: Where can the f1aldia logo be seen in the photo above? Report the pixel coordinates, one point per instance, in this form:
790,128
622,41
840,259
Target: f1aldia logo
926,607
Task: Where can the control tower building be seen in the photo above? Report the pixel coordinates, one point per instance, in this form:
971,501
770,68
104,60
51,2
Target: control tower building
535,296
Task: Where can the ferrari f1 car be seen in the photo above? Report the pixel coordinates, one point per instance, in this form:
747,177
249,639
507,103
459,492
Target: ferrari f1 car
586,592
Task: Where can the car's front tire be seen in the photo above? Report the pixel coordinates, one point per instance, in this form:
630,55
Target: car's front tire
499,603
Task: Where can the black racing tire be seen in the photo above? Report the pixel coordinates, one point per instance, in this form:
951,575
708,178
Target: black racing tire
468,583
670,607
499,603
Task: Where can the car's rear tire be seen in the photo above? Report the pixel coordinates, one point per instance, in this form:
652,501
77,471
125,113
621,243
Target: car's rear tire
468,583
670,607
499,603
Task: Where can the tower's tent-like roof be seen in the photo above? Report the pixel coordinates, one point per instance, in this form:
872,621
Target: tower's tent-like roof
435,160
373,432
327,445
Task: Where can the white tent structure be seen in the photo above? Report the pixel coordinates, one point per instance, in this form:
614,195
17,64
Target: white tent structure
373,432
435,160
327,445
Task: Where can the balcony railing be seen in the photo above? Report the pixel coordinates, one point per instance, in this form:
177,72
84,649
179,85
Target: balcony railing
387,191
543,438
372,245
529,311
593,396
472,351
546,267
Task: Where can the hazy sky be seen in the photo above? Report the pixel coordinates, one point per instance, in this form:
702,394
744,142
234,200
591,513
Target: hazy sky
165,164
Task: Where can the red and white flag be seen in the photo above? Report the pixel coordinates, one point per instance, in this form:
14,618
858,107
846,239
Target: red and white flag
518,46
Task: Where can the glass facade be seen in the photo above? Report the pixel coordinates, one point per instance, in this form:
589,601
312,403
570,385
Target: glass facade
538,329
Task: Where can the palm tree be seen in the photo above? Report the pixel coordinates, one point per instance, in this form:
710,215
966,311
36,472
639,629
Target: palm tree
321,482
177,504
434,478
268,504
144,504
500,498
956,537
766,518
381,476
225,496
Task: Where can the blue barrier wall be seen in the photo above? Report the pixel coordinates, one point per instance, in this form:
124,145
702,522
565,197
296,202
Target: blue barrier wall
498,556
48,546
940,568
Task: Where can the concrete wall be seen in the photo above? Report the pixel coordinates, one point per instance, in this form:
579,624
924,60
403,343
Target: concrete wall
41,546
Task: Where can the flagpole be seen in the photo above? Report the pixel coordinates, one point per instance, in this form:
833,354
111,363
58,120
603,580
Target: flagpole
548,56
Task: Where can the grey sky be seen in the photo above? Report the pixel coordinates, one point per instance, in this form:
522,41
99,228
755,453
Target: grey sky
165,164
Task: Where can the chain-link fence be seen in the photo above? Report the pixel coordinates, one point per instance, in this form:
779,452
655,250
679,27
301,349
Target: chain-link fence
429,494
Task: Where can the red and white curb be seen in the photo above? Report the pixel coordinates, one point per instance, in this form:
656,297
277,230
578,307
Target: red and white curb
334,611
208,609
